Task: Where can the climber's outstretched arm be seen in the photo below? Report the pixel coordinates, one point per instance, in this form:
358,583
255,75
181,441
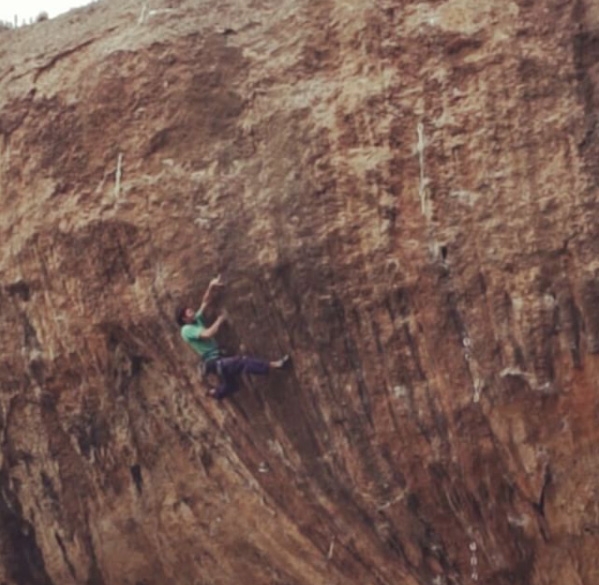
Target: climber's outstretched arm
215,284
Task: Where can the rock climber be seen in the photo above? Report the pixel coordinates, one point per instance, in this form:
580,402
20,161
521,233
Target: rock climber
202,339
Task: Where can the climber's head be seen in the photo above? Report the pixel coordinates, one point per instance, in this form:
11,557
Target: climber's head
184,315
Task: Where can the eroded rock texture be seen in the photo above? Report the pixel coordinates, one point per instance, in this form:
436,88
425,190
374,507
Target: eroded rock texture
402,193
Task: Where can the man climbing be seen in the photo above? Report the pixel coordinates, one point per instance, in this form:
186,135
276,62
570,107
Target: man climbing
202,339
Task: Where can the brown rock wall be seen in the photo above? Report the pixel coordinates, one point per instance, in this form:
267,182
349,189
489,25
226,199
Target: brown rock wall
402,194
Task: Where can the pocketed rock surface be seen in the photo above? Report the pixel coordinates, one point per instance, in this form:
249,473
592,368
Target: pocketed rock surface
403,195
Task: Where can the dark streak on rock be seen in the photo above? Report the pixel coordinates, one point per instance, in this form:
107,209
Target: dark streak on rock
65,556
19,289
137,478
540,505
19,551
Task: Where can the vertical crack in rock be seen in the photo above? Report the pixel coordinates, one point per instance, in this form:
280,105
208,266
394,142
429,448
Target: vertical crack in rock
539,505
65,556
137,478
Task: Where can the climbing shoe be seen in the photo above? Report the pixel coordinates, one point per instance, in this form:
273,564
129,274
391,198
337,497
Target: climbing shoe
285,362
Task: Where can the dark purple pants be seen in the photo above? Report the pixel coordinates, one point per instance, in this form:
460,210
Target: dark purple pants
231,368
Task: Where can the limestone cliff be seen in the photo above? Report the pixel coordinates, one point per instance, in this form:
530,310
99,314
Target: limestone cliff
403,194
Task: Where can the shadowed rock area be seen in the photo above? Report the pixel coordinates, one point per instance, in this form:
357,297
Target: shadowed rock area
402,194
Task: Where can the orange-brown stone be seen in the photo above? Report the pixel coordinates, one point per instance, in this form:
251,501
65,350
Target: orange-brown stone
403,195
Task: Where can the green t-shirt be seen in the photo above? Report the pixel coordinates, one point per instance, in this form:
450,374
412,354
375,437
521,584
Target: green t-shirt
207,348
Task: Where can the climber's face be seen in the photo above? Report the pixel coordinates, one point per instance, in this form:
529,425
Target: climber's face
189,315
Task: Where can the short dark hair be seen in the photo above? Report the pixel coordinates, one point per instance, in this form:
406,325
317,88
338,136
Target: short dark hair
180,316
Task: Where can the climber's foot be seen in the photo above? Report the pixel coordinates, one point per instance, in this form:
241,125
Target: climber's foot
284,362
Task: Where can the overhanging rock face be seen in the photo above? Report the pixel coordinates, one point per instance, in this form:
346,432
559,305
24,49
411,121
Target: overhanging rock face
401,194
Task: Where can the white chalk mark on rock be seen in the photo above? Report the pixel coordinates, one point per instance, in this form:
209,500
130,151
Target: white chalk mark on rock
331,549
142,16
159,11
473,561
119,172
390,503
422,189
